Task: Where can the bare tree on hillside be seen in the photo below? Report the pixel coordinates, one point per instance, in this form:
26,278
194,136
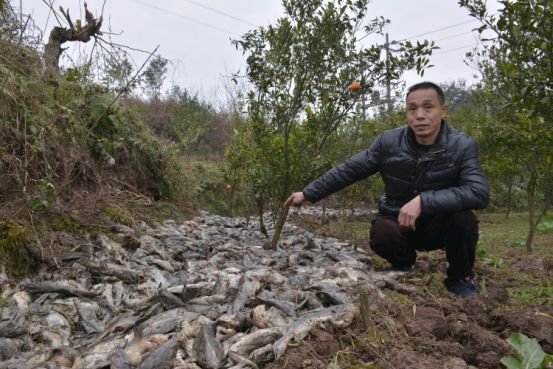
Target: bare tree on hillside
75,32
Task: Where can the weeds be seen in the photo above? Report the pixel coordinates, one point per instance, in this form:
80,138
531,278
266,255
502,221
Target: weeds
13,253
533,295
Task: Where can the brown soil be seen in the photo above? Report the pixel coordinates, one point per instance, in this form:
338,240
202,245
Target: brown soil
428,328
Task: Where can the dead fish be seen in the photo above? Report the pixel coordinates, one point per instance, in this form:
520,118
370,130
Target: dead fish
163,264
124,274
142,348
58,331
64,357
119,360
239,359
298,280
285,306
207,348
153,310
118,293
169,300
64,287
161,358
107,293
123,229
223,333
194,290
302,299
103,241
100,354
208,300
262,317
12,329
330,293
136,304
237,321
9,348
352,274
247,290
160,327
158,320
251,341
301,327
88,312
263,354
338,256
266,275
119,325
190,329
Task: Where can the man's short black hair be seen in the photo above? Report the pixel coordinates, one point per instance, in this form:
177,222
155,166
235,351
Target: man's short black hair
425,86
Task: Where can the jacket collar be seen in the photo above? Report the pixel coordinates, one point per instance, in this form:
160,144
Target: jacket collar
441,140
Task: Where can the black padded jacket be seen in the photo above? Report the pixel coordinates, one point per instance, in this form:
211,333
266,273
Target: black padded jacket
448,177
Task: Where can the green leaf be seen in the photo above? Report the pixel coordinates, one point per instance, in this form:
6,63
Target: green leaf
528,349
511,363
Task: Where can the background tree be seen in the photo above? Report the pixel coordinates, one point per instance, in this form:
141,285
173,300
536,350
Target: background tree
154,76
117,72
459,95
300,69
517,69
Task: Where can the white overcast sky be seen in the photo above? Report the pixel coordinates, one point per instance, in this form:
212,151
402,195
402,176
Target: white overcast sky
195,34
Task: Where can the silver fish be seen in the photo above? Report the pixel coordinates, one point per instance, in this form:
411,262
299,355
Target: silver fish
88,312
66,288
262,317
254,340
239,359
301,327
207,348
263,354
119,360
162,357
248,289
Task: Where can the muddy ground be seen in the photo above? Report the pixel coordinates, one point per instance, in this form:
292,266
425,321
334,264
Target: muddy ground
427,327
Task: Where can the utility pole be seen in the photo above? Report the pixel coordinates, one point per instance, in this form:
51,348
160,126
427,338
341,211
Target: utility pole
388,82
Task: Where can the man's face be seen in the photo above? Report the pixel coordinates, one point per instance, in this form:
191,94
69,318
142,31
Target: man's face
425,113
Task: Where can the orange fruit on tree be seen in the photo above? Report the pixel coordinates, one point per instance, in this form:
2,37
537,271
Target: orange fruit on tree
228,186
355,86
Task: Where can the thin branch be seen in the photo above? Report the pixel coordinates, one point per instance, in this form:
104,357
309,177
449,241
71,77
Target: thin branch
123,90
23,30
50,5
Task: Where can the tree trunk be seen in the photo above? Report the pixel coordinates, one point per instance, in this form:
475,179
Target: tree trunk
259,205
509,198
75,32
531,191
278,227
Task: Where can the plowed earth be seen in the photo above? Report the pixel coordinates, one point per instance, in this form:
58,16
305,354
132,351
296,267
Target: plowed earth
429,328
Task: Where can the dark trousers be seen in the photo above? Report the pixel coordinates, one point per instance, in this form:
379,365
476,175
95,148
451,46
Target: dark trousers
456,232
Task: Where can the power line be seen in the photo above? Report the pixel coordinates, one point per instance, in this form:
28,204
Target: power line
439,29
456,48
185,17
452,36
220,12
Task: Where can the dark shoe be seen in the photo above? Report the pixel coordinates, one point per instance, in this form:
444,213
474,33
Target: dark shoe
463,288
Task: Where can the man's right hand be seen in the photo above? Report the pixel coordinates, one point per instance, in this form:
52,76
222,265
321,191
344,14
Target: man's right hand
296,199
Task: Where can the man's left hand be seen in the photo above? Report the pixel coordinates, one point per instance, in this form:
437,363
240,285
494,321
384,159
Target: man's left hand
409,213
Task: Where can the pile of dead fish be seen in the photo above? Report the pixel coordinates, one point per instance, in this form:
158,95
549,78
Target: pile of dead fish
204,293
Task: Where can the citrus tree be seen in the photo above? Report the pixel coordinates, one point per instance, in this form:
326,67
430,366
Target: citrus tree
300,70
517,68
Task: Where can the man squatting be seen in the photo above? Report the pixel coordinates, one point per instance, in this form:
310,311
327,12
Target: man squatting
432,178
